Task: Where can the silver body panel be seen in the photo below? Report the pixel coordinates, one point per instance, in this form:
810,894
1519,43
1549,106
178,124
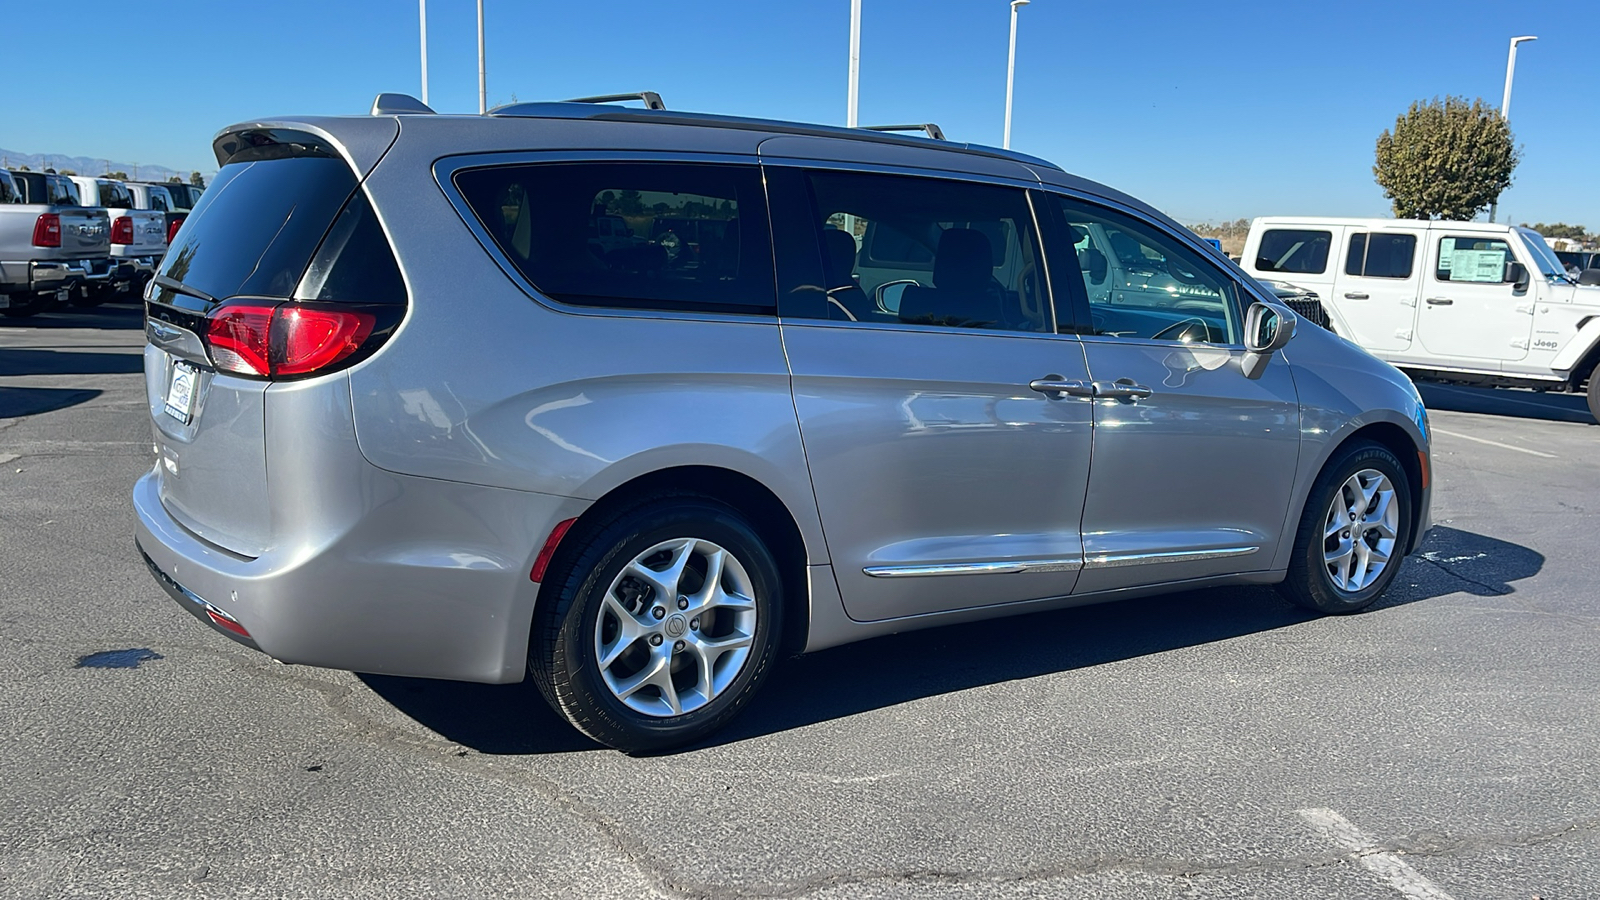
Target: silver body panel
385,518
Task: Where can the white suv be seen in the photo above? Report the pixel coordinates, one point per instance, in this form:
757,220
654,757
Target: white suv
1460,301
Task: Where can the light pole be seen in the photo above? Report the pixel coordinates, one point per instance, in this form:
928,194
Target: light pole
423,15
483,78
1505,101
853,103
1011,68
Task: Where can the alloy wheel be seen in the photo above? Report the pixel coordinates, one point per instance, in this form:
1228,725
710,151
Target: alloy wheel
1360,531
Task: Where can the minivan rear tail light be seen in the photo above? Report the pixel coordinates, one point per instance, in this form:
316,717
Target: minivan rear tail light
47,230
122,230
255,338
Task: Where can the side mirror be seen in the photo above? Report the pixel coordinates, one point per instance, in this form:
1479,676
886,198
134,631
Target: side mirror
890,292
1266,331
1517,274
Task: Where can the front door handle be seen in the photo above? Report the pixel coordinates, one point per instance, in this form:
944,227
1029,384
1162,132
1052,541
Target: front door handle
1355,295
1056,386
1439,301
1121,389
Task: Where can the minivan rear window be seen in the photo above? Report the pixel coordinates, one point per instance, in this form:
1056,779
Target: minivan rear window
673,236
254,232
1302,252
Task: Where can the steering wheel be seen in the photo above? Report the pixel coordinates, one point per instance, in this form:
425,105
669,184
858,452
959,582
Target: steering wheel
1190,331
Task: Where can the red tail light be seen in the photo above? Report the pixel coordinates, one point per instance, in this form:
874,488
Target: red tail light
47,230
122,230
254,338
173,226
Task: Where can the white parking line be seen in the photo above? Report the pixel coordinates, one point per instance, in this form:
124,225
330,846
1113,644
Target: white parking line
1408,881
1468,437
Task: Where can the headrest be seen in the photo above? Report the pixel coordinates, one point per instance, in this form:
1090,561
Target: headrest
838,255
962,261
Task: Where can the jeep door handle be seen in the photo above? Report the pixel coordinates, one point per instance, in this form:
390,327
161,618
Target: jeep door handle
1439,301
1056,386
1355,295
1121,389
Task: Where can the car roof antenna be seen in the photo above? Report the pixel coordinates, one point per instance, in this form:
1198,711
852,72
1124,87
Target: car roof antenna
399,105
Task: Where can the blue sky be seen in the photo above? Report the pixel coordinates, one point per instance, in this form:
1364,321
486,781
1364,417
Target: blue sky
1208,110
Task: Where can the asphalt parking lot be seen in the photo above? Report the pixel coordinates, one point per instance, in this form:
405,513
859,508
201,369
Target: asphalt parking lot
1444,744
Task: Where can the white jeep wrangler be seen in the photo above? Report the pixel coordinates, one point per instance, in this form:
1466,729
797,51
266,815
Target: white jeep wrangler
1467,302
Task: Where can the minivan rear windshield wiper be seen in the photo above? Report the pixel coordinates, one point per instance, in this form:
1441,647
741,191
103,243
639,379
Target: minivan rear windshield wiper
176,285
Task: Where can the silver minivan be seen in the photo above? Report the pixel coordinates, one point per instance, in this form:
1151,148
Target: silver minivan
638,402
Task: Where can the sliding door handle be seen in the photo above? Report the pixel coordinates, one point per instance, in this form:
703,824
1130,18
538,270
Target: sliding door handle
1056,386
1121,389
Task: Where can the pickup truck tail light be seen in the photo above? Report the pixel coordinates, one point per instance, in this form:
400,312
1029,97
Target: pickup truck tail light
173,226
263,339
122,230
47,230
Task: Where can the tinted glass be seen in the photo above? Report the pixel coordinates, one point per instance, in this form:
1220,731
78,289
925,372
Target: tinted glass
8,189
255,232
1283,250
113,195
1473,259
158,200
1143,283
924,251
61,192
1381,255
644,235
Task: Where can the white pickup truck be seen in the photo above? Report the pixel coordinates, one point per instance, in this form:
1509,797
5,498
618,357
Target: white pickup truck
138,236
1468,302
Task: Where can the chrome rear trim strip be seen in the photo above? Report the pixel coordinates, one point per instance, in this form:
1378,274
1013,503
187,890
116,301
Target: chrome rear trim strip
1114,560
1067,564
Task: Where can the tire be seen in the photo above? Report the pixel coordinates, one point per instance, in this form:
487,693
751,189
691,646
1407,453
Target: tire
1382,527
1594,393
587,596
23,305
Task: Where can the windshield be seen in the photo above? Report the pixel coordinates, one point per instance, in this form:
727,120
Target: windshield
1543,256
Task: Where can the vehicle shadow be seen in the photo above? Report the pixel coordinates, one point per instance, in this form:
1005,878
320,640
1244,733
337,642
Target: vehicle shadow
18,402
118,315
69,362
1550,407
886,671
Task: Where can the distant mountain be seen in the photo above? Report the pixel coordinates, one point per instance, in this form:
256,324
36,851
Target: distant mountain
84,165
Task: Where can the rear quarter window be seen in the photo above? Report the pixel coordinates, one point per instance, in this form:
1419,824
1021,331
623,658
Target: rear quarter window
669,236
1303,252
1381,255
259,230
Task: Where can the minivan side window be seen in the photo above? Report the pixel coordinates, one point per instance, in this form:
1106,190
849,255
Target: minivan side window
1142,283
1381,255
1477,260
671,236
1302,252
928,251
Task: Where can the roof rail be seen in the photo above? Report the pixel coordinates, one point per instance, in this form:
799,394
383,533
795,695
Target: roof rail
927,128
652,100
398,104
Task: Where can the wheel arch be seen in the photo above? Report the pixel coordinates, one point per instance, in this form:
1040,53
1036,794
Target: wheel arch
771,517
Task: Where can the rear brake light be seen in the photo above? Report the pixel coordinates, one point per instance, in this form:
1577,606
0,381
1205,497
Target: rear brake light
239,337
47,230
122,230
173,226
253,338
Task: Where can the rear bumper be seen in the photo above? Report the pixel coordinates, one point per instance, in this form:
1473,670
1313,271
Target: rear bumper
430,580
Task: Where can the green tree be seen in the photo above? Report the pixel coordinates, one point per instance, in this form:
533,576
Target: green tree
118,175
1445,159
69,171
1560,230
196,180
174,179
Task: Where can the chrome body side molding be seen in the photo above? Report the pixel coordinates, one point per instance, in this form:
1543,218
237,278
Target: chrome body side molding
1013,567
